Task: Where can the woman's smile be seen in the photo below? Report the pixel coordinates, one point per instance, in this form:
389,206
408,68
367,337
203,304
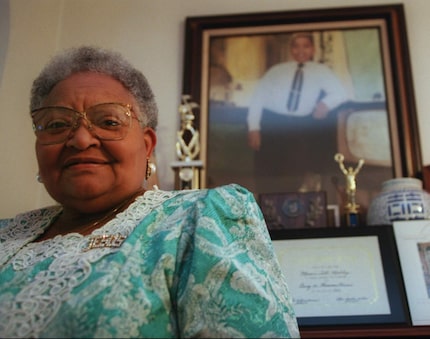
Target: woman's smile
84,162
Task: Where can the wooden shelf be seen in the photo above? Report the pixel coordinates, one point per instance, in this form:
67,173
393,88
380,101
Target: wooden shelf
363,332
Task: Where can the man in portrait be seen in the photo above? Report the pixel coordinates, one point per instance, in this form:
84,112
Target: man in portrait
290,121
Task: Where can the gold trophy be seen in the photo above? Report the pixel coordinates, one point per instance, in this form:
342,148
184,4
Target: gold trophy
188,167
351,207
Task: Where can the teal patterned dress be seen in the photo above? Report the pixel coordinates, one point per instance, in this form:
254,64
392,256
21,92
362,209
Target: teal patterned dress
195,263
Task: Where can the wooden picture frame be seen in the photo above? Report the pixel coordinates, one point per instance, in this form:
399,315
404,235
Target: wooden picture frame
222,122
342,277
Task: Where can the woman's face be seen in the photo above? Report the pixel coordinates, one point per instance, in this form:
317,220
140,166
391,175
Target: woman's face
85,173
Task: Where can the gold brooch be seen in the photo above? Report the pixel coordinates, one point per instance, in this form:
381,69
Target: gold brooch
105,240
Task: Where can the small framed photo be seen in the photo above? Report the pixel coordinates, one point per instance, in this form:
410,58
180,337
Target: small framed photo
333,215
413,243
294,209
343,276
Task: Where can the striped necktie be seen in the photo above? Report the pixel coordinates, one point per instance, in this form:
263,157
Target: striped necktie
294,97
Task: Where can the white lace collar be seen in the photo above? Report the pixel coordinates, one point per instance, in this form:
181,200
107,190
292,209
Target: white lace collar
26,227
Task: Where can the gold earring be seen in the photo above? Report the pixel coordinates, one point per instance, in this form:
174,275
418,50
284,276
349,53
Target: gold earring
148,169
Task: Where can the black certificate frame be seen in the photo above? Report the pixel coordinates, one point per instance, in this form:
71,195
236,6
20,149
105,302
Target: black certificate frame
394,284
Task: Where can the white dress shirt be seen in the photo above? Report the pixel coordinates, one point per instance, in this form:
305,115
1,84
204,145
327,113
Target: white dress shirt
273,90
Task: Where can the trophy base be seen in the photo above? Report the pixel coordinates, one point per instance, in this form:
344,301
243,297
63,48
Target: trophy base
352,219
187,174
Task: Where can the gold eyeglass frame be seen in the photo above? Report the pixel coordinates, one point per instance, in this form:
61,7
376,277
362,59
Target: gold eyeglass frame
83,115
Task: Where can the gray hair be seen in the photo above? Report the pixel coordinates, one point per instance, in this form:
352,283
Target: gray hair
94,59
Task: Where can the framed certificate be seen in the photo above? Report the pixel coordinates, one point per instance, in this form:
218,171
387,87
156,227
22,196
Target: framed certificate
413,243
343,276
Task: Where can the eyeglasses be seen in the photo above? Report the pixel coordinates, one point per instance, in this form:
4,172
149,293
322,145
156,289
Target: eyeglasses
107,121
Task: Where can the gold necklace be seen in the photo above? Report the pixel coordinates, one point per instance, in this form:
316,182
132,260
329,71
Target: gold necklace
109,240
112,213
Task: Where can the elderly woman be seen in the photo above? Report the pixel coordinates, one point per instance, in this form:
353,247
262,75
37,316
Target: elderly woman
114,260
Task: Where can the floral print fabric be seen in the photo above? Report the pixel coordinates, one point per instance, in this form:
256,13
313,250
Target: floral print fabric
195,263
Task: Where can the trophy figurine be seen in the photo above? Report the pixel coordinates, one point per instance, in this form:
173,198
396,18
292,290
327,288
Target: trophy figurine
352,208
187,148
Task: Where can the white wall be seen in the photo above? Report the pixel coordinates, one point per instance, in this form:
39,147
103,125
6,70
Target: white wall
150,33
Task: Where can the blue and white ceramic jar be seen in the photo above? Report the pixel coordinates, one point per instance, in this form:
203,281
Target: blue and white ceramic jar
400,199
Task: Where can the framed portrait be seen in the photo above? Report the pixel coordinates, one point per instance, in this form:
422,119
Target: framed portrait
413,243
353,94
294,210
343,276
